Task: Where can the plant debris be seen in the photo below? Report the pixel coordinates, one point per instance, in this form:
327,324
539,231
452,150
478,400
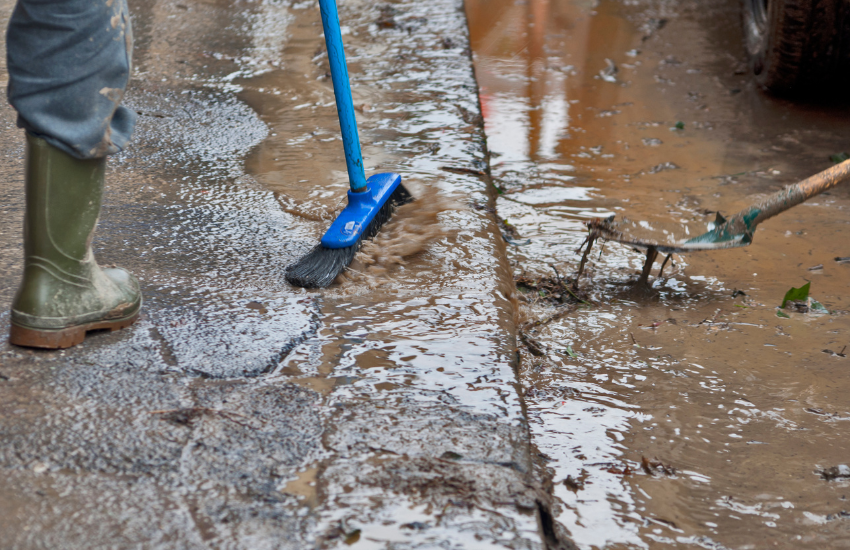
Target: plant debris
842,471
799,301
653,467
838,158
797,294
550,289
839,354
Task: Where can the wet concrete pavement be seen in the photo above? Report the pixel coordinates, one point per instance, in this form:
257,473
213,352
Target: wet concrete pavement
692,416
240,412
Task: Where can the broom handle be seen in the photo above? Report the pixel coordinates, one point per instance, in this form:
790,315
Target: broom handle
791,196
342,92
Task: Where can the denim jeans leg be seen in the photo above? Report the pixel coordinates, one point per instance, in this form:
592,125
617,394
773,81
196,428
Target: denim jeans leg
69,62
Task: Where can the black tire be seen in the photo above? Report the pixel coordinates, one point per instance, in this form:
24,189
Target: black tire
799,47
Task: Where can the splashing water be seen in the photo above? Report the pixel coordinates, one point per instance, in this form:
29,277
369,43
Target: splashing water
413,228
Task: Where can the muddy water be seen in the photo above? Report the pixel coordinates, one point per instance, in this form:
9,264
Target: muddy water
412,358
645,109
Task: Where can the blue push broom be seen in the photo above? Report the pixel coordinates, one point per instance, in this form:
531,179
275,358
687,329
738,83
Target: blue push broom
370,203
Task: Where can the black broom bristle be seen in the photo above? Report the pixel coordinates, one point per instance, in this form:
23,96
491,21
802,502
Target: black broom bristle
319,267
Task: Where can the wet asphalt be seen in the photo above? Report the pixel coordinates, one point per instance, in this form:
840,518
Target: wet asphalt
240,412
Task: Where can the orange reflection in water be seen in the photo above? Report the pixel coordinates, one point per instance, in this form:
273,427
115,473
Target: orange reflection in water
535,60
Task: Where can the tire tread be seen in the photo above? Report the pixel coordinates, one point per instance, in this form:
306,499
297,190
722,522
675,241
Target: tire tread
805,49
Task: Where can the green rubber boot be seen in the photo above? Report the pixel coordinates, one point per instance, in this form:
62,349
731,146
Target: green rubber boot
64,292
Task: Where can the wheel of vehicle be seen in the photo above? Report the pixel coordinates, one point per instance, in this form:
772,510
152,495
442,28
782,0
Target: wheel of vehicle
798,47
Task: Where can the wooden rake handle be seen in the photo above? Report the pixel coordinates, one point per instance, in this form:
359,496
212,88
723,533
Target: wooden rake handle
791,196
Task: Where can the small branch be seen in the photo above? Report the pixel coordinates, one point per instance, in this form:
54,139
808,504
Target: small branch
565,287
651,255
660,271
589,241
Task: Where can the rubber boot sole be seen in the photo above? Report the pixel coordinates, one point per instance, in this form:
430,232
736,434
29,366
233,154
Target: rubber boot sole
65,338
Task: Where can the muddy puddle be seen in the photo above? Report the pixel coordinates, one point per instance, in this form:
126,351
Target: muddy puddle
693,415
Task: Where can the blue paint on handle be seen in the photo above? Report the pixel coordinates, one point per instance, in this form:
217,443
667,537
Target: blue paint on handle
360,211
342,91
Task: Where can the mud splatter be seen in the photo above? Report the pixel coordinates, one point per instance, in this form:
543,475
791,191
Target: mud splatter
413,228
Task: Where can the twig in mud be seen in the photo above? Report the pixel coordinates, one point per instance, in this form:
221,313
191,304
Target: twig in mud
653,467
584,242
557,275
591,238
651,255
577,298
661,271
187,415
550,288
565,287
633,339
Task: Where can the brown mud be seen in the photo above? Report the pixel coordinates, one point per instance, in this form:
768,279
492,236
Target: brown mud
241,412
691,416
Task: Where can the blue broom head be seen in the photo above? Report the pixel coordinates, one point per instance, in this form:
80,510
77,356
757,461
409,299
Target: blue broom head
366,213
363,207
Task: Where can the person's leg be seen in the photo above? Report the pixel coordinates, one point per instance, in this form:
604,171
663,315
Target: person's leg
69,63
